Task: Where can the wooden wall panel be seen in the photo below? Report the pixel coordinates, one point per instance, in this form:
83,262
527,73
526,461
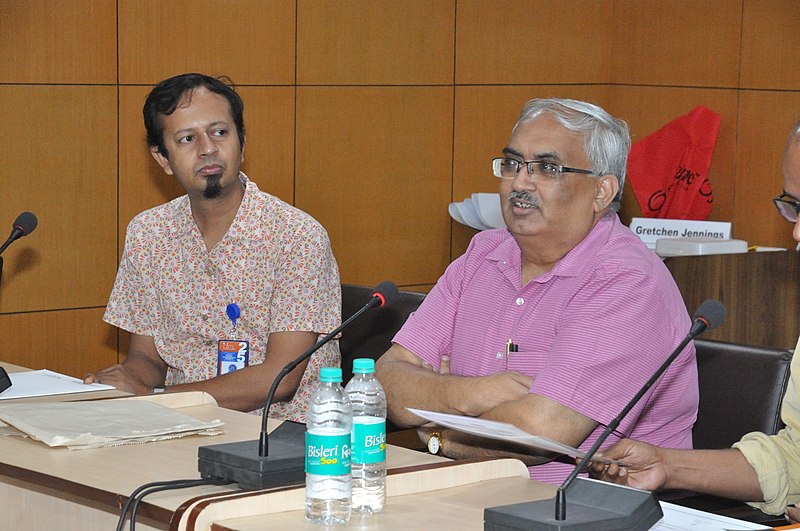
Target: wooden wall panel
647,109
269,152
770,47
61,166
765,120
752,286
484,118
676,42
533,41
58,41
142,183
373,166
375,42
71,342
251,41
376,164
269,159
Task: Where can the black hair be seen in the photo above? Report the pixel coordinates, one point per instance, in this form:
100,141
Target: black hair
165,97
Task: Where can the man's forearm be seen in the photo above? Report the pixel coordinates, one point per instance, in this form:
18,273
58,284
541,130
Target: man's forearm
144,370
247,389
410,386
719,472
411,382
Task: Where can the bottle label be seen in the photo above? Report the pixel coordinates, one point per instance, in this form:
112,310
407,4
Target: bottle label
327,455
369,441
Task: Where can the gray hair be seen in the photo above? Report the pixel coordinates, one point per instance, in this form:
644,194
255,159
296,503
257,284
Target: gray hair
606,139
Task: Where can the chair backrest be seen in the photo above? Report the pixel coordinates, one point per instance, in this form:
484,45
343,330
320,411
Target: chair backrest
371,335
741,390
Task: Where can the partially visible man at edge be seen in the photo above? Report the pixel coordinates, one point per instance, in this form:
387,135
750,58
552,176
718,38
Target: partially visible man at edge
224,242
531,324
760,469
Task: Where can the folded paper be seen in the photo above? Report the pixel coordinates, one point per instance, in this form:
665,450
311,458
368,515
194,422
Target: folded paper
101,423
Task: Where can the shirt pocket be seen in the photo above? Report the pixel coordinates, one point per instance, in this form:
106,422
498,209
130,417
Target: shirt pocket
529,362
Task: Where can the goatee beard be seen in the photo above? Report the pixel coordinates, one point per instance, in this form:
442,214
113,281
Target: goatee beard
213,186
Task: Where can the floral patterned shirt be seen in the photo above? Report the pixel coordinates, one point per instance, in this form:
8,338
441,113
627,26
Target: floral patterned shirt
275,262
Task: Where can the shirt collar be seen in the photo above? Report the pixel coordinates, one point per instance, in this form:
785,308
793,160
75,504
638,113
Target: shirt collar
183,221
508,254
576,259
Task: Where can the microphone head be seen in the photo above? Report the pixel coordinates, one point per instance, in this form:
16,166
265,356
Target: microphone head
712,312
26,223
387,292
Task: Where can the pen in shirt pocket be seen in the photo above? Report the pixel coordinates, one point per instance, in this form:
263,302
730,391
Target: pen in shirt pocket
510,347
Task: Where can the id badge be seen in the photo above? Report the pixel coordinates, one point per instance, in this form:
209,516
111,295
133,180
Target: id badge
232,355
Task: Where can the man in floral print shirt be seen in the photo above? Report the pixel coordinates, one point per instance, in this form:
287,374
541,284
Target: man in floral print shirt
224,242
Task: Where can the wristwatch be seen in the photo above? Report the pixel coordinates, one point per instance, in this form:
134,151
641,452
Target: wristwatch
435,443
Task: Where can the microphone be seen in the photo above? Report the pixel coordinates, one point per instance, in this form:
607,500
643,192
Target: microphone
597,504
249,463
23,225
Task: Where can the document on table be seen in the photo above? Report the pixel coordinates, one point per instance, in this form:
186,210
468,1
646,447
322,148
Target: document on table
677,518
101,423
502,431
45,383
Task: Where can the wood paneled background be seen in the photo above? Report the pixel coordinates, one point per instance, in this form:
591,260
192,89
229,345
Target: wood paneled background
372,115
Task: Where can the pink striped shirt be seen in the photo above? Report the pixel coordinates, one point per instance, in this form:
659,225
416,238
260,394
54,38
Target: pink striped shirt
590,331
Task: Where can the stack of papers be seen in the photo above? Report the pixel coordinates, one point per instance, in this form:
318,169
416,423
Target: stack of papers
481,212
46,383
101,423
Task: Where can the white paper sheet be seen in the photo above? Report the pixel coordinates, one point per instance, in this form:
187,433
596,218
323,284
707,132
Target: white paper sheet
45,383
502,431
677,518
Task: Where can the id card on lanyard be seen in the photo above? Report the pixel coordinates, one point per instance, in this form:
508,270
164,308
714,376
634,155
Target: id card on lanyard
232,354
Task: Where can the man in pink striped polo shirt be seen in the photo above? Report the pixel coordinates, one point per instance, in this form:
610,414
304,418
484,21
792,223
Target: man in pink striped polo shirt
554,322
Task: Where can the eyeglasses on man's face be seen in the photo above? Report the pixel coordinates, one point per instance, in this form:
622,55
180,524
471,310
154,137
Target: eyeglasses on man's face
788,207
542,170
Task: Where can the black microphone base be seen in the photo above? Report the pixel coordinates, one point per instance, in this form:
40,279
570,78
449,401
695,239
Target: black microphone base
591,506
240,462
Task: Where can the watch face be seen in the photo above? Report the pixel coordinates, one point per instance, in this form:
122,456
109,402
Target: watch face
433,443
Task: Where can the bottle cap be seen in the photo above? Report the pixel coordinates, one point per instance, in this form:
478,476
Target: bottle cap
363,366
330,374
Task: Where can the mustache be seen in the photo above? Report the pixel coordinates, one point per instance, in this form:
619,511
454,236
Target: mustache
523,195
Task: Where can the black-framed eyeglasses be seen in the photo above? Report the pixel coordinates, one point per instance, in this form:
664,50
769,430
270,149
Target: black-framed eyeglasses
508,168
788,207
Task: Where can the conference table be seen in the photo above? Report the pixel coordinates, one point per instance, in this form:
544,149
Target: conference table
55,488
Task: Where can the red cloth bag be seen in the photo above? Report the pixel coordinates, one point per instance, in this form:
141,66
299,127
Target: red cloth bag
668,169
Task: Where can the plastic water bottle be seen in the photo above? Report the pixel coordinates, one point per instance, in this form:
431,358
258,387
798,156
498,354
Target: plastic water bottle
328,432
369,438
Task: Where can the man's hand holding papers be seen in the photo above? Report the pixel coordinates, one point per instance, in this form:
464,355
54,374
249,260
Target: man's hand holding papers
502,431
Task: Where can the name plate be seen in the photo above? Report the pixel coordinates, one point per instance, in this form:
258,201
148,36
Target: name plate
651,229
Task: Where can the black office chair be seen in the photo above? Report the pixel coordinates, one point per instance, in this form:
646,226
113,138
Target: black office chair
371,335
741,389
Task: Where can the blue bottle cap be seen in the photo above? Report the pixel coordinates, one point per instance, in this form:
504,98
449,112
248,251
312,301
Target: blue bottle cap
330,374
363,366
